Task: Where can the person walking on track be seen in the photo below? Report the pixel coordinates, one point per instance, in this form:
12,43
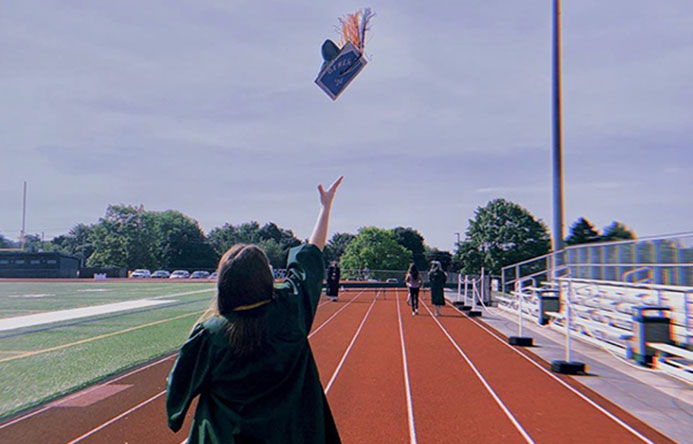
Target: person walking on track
332,283
413,280
248,360
437,279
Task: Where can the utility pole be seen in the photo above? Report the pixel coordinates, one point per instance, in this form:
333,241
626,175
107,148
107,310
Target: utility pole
22,234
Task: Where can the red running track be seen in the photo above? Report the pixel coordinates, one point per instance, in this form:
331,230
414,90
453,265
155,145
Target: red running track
389,376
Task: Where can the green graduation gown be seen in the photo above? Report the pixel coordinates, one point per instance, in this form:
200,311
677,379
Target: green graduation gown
276,398
437,279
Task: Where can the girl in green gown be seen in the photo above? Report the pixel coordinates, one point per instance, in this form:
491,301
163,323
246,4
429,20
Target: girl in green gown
437,279
248,360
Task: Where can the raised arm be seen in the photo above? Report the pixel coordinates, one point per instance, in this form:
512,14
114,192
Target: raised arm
319,236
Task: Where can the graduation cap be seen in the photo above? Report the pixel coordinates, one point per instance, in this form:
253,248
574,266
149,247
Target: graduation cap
342,65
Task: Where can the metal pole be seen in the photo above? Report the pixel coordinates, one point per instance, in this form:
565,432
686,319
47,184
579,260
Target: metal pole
519,295
466,285
474,291
567,322
482,293
557,131
22,234
459,287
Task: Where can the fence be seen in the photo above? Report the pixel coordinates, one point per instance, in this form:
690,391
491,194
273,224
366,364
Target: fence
378,276
662,260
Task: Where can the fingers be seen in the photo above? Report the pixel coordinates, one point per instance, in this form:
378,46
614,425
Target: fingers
336,183
321,189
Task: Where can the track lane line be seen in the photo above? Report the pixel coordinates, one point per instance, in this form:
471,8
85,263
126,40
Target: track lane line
111,421
588,400
407,386
351,344
493,394
334,315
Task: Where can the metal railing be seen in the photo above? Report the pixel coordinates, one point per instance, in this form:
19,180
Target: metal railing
664,260
612,277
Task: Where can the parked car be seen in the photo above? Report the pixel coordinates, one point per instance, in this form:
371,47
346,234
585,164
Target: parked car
200,275
213,275
391,280
180,274
161,274
140,274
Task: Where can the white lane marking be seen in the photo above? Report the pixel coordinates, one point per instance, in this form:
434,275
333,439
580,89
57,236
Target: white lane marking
589,401
481,378
407,386
75,313
351,344
112,420
83,392
334,315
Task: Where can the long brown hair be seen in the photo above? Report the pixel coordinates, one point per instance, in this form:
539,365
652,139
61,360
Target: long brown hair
413,271
244,288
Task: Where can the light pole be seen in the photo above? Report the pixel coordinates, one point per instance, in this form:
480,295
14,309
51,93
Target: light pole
557,131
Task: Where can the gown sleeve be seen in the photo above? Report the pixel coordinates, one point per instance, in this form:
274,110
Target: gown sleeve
306,271
187,376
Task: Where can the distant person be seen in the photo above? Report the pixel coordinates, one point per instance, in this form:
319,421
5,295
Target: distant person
248,359
437,279
413,280
332,283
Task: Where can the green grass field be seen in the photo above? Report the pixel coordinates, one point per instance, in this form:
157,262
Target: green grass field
43,362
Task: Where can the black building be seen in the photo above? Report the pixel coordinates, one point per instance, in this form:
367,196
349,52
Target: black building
17,264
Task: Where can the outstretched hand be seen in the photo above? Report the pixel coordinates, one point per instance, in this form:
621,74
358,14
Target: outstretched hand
326,196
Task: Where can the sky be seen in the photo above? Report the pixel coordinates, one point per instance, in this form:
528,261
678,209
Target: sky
210,108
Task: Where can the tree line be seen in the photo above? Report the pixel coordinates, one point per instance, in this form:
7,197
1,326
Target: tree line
500,233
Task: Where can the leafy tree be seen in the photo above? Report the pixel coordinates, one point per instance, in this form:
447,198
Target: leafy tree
376,249
617,231
5,242
76,242
582,232
274,240
337,245
501,233
178,241
123,238
33,243
413,241
444,257
275,252
223,238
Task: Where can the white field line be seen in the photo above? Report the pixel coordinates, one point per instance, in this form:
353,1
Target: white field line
334,315
112,420
74,313
83,392
481,378
351,344
568,386
407,386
